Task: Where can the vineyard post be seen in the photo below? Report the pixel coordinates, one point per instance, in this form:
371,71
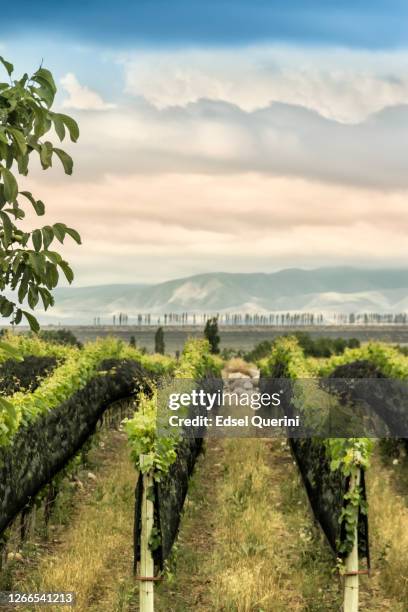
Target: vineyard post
146,588
351,580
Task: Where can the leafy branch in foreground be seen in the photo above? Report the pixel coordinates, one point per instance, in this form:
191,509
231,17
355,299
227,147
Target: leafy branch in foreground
27,265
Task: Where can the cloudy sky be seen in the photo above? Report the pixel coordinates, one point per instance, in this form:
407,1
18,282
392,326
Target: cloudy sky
224,135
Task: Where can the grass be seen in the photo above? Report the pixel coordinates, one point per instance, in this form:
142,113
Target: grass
248,542
387,483
92,554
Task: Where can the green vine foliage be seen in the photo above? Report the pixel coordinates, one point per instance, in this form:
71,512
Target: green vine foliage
160,451
24,345
76,368
28,266
387,358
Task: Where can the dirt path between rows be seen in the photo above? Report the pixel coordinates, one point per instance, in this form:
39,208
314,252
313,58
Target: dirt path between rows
248,541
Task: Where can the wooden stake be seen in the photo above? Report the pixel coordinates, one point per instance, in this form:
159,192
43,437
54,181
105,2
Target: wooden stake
351,579
146,588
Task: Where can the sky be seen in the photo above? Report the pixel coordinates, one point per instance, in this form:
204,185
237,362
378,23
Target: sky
224,136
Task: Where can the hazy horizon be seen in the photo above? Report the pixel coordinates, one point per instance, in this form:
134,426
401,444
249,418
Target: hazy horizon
325,290
227,272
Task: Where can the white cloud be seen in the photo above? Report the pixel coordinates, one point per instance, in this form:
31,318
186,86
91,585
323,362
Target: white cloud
236,183
217,137
346,85
80,96
153,228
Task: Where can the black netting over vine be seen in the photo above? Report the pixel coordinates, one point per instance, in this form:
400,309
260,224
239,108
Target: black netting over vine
171,491
43,447
24,375
367,385
326,488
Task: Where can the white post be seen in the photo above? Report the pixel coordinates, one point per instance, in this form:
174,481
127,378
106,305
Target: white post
351,581
146,589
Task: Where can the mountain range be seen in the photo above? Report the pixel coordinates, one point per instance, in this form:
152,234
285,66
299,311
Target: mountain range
326,290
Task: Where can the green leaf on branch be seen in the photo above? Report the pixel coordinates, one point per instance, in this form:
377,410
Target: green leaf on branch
65,267
71,126
19,139
6,307
46,297
59,231
7,229
22,163
33,296
17,260
38,205
17,213
51,275
46,155
18,316
9,67
66,160
32,321
53,256
45,75
40,125
22,290
47,89
48,235
37,239
74,234
37,262
10,185
40,208
58,125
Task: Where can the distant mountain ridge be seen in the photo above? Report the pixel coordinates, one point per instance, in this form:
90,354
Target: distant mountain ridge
327,290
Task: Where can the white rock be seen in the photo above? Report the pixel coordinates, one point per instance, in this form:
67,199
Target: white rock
234,375
254,372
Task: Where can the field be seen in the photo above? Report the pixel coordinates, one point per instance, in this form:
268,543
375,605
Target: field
261,524
238,337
